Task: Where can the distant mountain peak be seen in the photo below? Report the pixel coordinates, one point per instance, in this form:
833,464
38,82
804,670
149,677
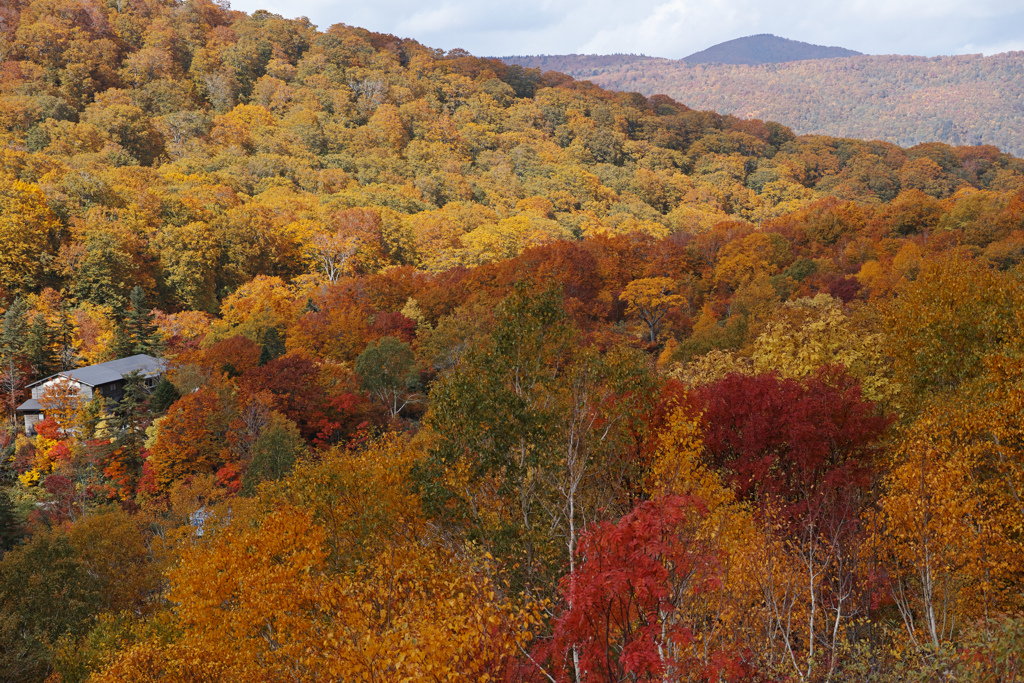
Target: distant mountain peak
765,48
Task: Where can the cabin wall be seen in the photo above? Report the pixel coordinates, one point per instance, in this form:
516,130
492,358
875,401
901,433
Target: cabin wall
30,422
85,391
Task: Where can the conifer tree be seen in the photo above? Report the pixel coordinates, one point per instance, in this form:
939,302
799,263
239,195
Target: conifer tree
11,530
12,346
12,331
128,421
140,326
38,349
163,396
64,336
273,346
137,333
121,346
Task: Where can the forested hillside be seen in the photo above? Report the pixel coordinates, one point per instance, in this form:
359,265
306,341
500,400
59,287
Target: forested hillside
478,373
960,100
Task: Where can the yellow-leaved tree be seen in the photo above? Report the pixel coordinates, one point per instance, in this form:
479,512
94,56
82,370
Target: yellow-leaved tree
26,225
336,578
814,331
801,337
951,511
650,299
944,322
61,401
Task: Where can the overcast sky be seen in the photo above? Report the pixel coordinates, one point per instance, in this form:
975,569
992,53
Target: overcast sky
674,28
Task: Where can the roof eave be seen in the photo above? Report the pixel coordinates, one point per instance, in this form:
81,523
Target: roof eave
59,374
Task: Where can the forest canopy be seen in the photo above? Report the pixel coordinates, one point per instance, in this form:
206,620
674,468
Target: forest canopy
476,372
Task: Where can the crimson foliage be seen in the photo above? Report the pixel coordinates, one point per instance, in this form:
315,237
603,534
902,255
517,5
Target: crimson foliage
630,602
800,447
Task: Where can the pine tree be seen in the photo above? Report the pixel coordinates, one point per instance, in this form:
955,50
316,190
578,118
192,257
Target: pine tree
38,350
137,333
140,326
12,357
121,346
64,335
11,531
128,421
12,331
163,396
273,346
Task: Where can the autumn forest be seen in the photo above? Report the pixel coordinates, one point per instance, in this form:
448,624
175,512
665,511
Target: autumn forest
480,373
959,100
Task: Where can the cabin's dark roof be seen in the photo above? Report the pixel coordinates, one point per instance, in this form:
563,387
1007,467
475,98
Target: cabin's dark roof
29,406
111,371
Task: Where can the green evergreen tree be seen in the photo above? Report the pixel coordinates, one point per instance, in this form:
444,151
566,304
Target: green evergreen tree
38,348
139,322
8,474
11,531
136,332
273,346
64,336
164,395
128,421
12,356
122,346
13,329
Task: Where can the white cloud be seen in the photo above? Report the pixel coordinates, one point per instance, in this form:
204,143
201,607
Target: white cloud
435,20
994,48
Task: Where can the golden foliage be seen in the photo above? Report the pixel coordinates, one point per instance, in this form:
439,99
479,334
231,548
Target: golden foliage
811,332
26,227
347,587
650,300
950,521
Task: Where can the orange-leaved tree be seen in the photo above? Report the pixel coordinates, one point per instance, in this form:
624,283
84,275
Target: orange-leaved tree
62,400
951,509
335,579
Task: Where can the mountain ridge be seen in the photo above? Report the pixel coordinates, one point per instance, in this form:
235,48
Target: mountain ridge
766,48
907,100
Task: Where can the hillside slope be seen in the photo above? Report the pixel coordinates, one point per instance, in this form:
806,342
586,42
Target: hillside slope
765,48
450,339
965,99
